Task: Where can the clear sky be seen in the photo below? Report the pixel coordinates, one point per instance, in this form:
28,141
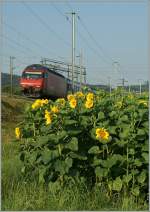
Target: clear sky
106,32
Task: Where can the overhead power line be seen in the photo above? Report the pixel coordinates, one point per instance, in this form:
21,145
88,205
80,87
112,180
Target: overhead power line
69,5
106,56
17,43
25,37
45,24
101,54
60,12
95,51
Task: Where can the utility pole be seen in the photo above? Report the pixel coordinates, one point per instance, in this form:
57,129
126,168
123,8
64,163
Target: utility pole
84,76
140,84
116,66
123,82
81,61
11,74
129,88
80,65
73,48
109,85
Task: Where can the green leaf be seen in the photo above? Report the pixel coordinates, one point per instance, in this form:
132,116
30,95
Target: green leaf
101,172
61,134
42,140
141,132
63,166
41,175
70,122
60,167
135,191
74,132
96,162
121,143
125,134
77,156
117,184
142,177
23,169
84,121
137,163
112,130
101,115
134,171
110,185
145,156
124,118
73,144
94,150
49,155
131,151
145,147
145,124
69,162
32,157
127,178
112,114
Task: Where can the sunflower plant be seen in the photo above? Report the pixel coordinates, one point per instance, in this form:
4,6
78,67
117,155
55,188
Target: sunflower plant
98,137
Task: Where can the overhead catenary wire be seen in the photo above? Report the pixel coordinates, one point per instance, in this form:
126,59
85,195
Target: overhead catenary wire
47,26
17,43
98,50
95,41
25,37
95,51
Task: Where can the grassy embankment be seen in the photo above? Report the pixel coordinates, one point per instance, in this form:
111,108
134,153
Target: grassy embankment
17,194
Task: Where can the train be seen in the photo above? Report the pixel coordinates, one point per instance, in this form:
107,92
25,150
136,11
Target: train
40,81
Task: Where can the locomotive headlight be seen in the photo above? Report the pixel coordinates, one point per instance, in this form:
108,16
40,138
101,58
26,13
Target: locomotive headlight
38,86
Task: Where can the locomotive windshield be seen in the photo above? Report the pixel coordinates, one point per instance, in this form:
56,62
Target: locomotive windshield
32,75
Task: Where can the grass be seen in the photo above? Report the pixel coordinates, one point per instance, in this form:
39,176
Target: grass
18,194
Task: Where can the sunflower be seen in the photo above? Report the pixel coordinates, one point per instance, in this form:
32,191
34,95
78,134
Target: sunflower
89,104
90,96
102,133
17,132
48,117
54,109
70,97
73,103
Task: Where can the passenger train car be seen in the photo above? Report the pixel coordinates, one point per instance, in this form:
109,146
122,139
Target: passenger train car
40,81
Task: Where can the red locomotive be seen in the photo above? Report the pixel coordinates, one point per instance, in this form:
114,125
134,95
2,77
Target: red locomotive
40,81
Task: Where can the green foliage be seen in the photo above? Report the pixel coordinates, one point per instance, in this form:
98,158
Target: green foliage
70,148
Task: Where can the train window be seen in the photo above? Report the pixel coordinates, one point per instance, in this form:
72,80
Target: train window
31,75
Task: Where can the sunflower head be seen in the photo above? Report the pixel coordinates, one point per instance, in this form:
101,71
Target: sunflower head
17,132
54,109
89,104
61,101
36,104
79,94
102,133
48,117
90,96
70,97
73,103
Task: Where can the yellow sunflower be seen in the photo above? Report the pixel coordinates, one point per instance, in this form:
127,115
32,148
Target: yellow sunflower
73,103
54,109
48,117
102,133
89,104
90,96
17,132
